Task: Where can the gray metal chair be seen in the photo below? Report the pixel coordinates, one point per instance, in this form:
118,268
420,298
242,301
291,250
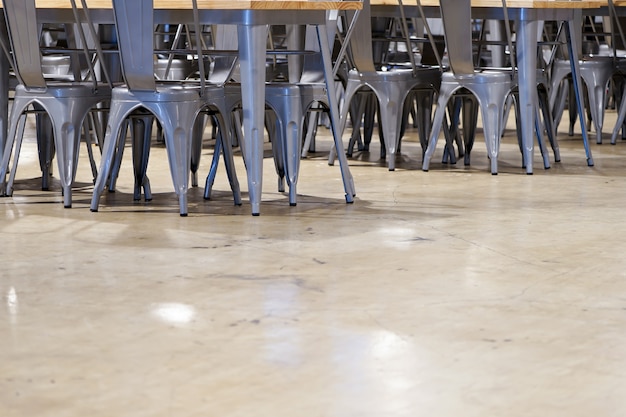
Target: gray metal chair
596,72
490,87
391,87
175,105
67,103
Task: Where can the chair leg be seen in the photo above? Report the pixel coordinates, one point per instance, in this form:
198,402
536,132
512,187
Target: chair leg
178,135
15,133
391,118
424,99
540,141
115,133
119,154
17,121
88,124
621,117
470,121
67,133
275,133
196,146
492,99
597,102
358,116
224,139
440,111
45,146
223,145
141,137
544,106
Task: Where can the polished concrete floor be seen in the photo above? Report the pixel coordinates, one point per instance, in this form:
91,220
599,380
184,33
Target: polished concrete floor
446,293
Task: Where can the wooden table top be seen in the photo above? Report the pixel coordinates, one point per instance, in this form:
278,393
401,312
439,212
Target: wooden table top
535,4
217,4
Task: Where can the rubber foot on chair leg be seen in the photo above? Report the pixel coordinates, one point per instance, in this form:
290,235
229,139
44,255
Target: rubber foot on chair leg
256,214
93,210
293,204
183,214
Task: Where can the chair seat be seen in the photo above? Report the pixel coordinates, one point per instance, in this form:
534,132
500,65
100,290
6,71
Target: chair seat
163,93
479,76
65,89
596,72
420,75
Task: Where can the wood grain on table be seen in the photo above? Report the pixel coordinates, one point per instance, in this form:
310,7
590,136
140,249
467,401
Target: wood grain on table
217,4
536,4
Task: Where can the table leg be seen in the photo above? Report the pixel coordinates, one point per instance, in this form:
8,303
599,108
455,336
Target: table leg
4,94
526,39
252,50
572,48
348,180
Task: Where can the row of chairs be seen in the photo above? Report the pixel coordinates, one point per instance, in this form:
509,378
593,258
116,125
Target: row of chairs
183,107
490,89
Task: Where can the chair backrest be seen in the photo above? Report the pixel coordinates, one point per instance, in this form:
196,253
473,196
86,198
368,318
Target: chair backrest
23,29
225,38
457,24
134,23
617,32
361,52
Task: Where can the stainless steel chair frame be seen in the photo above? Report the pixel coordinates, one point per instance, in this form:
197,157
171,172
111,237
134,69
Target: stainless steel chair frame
66,103
176,106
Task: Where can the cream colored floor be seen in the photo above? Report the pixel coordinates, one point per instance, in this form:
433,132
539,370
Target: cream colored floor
447,293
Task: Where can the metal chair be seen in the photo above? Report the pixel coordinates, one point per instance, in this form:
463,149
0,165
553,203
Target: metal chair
67,103
596,71
391,87
175,105
490,87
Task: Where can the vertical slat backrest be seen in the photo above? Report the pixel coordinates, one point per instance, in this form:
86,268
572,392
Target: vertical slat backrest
21,18
225,38
457,27
361,42
134,22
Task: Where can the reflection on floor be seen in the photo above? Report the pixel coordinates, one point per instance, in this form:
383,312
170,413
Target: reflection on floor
447,293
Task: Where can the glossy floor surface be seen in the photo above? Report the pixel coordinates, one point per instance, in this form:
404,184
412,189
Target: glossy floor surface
446,293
